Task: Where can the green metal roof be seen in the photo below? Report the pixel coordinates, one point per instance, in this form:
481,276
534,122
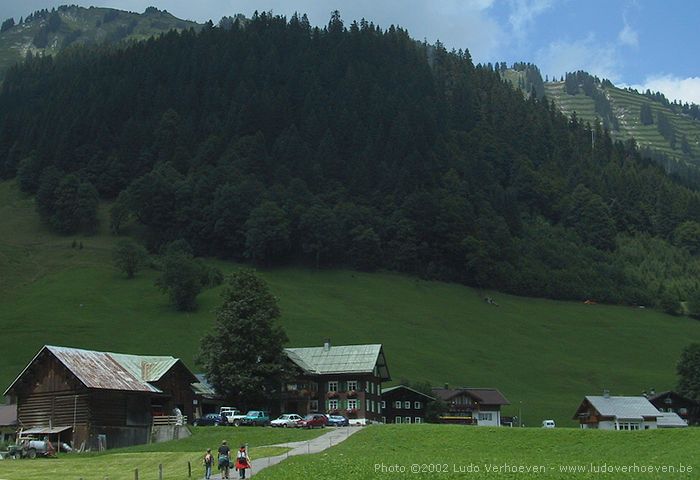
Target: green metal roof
341,359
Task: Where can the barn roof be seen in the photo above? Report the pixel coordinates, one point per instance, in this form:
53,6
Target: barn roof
340,359
110,371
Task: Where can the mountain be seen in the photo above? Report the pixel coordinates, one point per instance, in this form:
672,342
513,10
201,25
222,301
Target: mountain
668,132
47,32
275,142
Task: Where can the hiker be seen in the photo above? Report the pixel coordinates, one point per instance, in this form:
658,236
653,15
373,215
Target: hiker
224,459
242,461
208,462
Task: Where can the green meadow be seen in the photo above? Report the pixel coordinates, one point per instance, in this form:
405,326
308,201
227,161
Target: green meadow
119,464
543,355
453,451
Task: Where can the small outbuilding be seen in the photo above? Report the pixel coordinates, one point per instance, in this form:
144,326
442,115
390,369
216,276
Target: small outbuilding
8,423
608,412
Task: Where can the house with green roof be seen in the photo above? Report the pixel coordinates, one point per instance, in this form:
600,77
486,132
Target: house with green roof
342,380
98,400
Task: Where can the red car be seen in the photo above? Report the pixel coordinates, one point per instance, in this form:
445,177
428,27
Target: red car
313,420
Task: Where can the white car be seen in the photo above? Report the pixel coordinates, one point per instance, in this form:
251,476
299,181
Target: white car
286,420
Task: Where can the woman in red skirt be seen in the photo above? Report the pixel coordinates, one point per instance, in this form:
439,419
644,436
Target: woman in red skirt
242,461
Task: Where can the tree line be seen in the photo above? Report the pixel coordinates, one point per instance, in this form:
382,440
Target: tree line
271,141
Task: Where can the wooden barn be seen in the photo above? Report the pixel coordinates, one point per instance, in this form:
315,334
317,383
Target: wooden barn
100,400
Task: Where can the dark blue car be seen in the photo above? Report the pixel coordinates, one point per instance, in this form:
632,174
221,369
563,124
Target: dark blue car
210,419
338,421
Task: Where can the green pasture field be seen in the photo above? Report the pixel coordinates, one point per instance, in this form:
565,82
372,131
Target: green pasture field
543,355
119,464
455,451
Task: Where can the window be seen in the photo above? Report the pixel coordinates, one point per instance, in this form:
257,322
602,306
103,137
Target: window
370,406
332,404
683,411
352,384
417,420
407,420
397,404
383,404
407,404
352,404
314,405
397,420
383,419
333,386
485,417
417,405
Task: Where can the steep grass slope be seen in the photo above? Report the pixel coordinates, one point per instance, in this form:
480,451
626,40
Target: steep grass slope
544,355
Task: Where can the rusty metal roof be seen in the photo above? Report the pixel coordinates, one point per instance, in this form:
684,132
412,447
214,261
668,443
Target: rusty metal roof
110,371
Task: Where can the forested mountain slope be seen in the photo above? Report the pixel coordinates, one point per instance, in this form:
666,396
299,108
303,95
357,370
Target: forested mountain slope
47,32
272,141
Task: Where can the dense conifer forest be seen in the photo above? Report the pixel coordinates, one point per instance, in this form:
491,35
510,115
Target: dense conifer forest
271,141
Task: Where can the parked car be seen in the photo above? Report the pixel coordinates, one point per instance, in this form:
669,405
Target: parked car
256,417
210,419
338,421
233,415
548,424
286,420
313,420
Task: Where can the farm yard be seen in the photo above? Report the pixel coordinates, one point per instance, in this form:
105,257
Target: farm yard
119,464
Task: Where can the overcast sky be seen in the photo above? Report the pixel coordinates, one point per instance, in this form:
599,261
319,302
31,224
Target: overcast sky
640,43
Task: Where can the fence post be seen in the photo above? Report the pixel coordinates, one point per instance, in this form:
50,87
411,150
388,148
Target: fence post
189,469
160,471
136,474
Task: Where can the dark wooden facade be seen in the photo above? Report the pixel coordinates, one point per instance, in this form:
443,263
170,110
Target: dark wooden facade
334,394
48,394
402,404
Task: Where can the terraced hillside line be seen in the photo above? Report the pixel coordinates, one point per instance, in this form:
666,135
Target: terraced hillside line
316,445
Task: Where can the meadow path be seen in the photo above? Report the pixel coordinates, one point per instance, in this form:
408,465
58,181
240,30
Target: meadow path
315,445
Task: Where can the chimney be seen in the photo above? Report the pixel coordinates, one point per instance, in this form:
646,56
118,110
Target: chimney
327,345
606,393
652,391
644,394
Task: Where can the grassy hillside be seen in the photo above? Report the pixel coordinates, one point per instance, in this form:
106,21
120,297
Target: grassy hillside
445,451
544,355
81,25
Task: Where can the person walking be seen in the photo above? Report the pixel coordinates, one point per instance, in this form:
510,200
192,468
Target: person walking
242,461
208,462
224,459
